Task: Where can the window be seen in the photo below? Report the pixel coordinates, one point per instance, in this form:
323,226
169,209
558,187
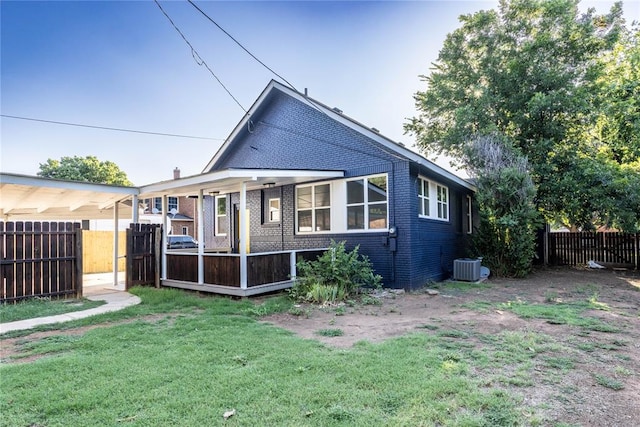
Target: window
367,210
469,215
423,197
313,208
443,202
185,230
433,200
155,205
222,225
274,210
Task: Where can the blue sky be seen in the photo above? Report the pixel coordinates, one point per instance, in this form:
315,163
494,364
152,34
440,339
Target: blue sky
121,64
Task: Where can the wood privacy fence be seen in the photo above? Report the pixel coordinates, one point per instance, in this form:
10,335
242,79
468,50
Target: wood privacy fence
143,254
610,249
40,259
97,251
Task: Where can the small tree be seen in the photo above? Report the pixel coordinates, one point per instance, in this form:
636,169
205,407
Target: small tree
335,276
86,169
508,217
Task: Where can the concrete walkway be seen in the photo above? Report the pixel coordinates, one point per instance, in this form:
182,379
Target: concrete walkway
115,299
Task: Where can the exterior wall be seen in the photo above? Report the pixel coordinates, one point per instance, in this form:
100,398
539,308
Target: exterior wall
288,134
436,243
293,135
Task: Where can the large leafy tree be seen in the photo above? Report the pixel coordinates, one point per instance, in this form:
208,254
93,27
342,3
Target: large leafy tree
87,169
548,79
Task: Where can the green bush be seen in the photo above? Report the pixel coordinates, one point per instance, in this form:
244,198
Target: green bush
335,276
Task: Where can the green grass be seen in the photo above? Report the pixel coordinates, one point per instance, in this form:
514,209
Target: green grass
42,307
463,286
330,332
197,358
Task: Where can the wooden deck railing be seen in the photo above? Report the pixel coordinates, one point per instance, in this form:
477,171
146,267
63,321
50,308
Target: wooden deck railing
224,269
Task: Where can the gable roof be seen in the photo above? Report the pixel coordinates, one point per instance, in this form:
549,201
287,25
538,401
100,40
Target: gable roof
387,144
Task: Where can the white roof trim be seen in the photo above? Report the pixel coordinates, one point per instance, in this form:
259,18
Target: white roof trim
345,120
230,178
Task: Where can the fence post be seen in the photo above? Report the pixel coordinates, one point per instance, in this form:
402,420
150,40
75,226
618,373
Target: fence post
545,240
78,272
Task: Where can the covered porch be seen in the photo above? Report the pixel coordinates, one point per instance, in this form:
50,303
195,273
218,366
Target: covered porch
233,270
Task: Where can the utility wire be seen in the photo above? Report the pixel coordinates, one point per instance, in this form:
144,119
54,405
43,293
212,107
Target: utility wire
312,102
197,57
240,44
110,128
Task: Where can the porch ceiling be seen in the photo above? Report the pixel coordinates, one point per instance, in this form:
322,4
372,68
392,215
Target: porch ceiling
230,181
25,197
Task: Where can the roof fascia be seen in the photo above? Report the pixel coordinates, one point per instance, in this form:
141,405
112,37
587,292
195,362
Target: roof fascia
226,174
346,121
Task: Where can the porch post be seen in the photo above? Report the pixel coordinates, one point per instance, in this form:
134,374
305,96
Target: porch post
134,209
115,243
200,236
243,236
164,236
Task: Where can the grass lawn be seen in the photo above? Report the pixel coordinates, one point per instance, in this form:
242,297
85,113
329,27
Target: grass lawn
178,359
42,307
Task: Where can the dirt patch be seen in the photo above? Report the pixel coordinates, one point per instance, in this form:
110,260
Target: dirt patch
601,361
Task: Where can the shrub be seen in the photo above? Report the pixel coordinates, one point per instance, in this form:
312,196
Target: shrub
335,276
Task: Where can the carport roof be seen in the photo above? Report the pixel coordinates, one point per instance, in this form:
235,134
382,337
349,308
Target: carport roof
24,197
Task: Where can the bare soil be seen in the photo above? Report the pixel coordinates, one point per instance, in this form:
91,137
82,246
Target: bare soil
575,397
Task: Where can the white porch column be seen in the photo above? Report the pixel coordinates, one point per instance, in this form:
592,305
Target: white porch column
200,237
243,235
115,242
134,209
164,236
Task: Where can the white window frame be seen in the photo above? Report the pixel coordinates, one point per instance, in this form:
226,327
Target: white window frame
438,205
469,215
423,198
442,200
156,203
272,212
313,208
366,204
219,217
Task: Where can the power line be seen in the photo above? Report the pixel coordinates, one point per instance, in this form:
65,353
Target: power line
240,44
197,57
110,128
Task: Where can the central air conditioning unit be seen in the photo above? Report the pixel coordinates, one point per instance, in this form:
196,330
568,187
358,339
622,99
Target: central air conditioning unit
466,269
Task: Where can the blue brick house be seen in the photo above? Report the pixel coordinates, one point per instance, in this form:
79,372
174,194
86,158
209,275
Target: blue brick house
295,174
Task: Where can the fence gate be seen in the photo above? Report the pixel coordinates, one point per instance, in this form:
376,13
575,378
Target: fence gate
143,254
40,259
